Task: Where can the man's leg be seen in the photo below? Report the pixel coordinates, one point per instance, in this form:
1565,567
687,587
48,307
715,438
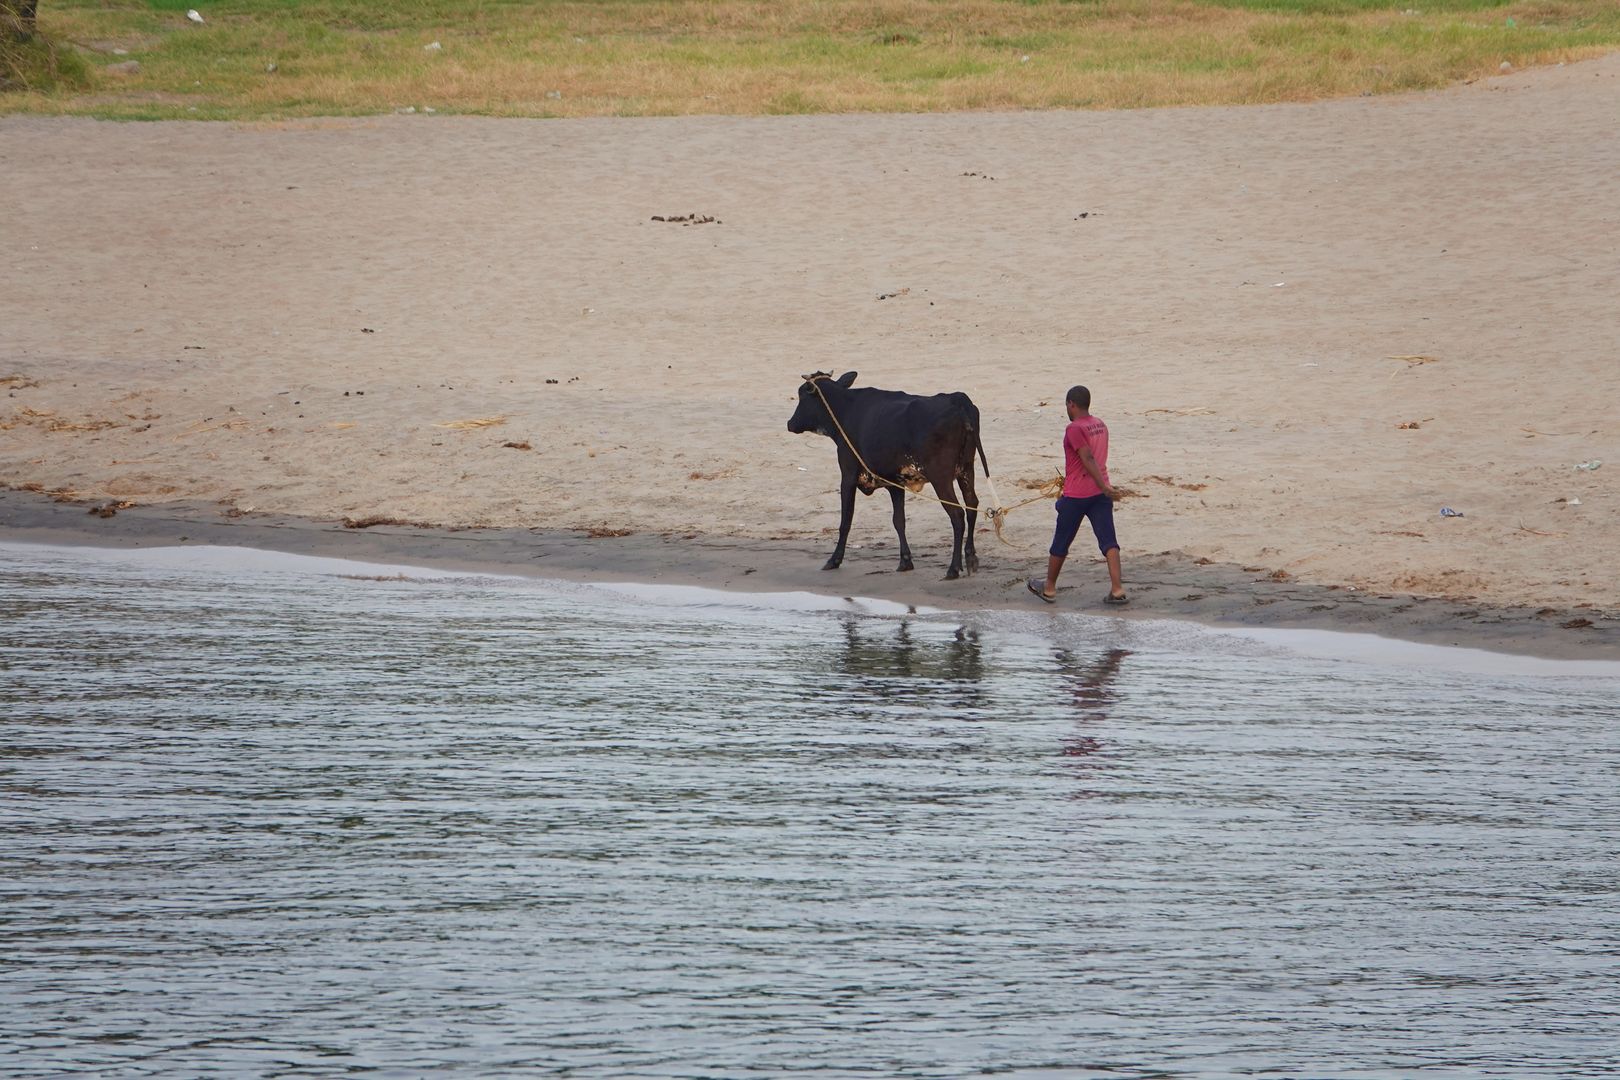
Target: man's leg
1101,513
1054,567
1117,585
1070,512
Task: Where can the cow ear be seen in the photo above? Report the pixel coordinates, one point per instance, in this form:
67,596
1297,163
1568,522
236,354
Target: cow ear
845,379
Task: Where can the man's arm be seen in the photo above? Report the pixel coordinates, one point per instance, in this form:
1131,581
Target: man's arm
1089,463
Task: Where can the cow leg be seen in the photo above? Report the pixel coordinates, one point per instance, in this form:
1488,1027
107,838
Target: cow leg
899,498
970,557
943,488
846,507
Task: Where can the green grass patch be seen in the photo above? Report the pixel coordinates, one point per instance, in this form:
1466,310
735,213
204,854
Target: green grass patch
270,59
39,65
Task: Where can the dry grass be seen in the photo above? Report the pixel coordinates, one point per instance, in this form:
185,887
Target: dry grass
374,520
294,58
50,421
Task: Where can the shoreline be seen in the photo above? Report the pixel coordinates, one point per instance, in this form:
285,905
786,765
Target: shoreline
1162,586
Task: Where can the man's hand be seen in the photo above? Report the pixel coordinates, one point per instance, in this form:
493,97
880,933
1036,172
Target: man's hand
1112,492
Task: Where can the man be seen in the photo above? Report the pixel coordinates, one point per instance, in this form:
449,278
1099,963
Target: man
1086,494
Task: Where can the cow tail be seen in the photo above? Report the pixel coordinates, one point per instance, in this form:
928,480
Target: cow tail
978,441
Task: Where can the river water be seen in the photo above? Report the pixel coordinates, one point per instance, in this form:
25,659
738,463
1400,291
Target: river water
274,817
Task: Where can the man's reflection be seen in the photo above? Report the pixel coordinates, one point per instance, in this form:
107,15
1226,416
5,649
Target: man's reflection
1090,683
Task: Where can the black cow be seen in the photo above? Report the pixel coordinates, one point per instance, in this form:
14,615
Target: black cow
905,440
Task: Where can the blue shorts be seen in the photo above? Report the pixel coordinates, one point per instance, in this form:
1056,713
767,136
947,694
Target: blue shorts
1099,508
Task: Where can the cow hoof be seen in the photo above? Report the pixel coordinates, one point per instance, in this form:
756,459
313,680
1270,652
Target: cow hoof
832,564
973,564
952,574
905,564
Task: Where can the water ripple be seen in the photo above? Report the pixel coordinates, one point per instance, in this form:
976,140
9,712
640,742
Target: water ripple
283,823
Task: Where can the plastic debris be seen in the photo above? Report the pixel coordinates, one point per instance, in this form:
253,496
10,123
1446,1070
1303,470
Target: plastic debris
1446,511
194,16
432,46
1589,466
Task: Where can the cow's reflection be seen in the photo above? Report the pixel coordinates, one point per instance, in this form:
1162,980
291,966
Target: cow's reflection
900,651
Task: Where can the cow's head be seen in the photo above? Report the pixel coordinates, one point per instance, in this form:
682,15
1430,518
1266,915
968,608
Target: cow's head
811,415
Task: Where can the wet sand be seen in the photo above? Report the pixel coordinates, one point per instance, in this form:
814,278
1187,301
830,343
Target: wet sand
1163,586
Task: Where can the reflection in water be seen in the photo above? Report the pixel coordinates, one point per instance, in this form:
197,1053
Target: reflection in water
900,650
1091,685
261,824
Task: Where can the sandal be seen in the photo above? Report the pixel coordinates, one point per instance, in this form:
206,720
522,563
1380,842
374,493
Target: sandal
1116,601
1038,587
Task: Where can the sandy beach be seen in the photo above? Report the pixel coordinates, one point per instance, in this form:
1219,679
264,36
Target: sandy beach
1308,327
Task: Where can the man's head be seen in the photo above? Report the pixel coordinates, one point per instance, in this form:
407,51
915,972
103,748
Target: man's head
1077,401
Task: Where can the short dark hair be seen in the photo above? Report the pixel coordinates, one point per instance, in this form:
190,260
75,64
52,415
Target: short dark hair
1080,396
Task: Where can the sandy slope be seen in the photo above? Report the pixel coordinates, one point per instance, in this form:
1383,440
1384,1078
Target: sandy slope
1233,297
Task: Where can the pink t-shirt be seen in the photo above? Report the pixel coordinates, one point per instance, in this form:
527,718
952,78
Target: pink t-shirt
1086,431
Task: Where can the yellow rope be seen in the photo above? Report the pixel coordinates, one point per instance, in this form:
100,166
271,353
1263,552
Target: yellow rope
996,514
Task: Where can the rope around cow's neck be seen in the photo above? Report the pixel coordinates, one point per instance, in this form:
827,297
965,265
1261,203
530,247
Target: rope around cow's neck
997,513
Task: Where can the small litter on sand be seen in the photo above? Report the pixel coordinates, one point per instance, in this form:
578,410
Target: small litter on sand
468,425
1414,359
1446,511
203,425
1589,466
